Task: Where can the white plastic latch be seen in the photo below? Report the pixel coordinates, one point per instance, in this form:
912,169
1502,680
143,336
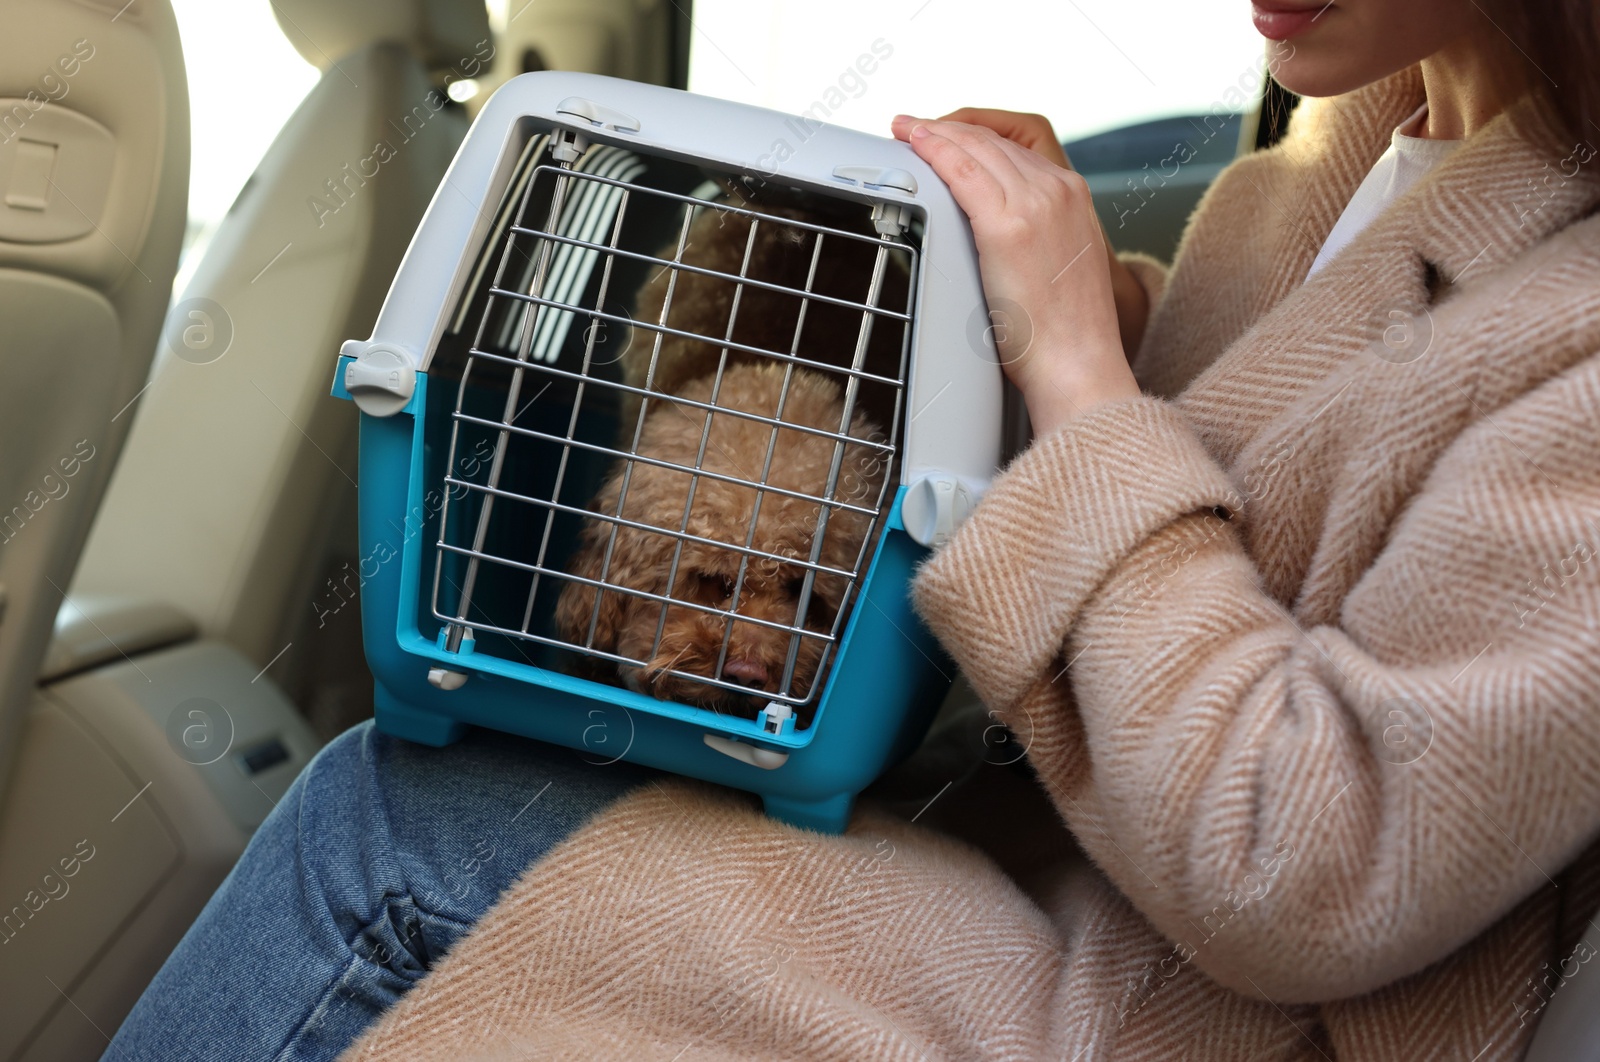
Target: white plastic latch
446,679
597,115
877,177
889,219
381,379
766,759
568,147
934,507
774,715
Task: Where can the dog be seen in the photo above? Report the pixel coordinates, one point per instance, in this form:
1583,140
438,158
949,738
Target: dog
691,639
780,254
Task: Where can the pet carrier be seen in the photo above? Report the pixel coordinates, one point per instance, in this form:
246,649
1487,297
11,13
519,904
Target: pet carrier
549,453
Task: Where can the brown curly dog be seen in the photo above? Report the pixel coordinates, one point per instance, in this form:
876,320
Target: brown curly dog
780,254
691,638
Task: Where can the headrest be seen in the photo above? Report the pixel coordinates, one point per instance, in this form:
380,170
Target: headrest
441,33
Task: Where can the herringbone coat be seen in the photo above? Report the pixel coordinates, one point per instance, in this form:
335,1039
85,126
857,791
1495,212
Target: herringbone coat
1304,644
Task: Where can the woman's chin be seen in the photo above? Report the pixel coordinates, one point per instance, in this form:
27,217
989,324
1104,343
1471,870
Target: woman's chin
1307,73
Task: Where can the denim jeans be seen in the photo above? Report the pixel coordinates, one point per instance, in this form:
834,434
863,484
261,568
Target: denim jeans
378,859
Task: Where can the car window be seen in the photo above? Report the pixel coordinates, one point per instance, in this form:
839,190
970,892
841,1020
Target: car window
245,80
1088,65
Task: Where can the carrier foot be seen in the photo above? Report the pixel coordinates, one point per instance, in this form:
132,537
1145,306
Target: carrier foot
412,724
824,816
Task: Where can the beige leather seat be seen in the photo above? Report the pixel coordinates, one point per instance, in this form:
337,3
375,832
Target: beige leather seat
236,493
159,740
94,181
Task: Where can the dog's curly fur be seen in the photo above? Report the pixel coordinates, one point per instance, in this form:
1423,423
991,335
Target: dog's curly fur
780,254
626,624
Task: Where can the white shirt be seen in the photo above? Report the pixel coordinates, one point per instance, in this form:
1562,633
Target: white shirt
1407,161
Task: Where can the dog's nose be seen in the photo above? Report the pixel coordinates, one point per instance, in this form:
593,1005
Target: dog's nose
746,673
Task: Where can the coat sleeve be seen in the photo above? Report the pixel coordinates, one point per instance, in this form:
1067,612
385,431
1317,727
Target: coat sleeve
1151,273
1308,812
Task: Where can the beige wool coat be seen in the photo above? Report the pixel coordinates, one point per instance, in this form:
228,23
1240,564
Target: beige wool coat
1304,644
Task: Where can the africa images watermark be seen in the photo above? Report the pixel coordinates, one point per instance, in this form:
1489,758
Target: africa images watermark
1245,89
52,487
1255,484
1537,997
340,189
53,87
53,885
1155,974
1552,179
851,84
1549,583
341,593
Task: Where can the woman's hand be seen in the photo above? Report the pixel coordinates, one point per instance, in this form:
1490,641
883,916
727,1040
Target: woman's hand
1044,261
1032,131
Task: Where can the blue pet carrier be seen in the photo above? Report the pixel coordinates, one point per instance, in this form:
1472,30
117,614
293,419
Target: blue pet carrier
494,405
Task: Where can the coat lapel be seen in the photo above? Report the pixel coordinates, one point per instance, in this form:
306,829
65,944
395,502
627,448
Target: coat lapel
1261,225
1511,186
1337,395
1505,190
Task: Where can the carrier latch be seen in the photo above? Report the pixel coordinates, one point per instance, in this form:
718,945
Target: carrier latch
776,718
774,715
889,219
934,506
445,678
380,379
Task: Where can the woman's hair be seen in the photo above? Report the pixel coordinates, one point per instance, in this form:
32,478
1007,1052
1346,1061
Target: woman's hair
1554,49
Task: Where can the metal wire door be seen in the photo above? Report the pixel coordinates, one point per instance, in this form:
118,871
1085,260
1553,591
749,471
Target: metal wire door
534,285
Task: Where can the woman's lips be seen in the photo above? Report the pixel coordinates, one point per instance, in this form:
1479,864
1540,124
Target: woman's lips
1278,22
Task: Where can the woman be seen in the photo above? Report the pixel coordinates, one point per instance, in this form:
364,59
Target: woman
1296,593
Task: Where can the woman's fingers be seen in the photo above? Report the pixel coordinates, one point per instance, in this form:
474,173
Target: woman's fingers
1037,238
987,146
1031,131
985,163
900,126
978,190
1026,159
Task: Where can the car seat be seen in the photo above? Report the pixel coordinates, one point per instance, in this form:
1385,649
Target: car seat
94,178
240,467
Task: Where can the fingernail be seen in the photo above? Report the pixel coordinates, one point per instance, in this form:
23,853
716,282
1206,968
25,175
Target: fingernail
919,131
897,119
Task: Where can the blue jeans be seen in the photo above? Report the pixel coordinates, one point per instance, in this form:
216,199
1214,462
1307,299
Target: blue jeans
378,859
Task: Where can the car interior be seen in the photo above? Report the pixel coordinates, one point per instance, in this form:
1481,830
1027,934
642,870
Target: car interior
179,576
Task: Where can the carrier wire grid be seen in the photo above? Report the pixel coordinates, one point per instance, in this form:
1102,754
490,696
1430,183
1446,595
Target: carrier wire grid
543,307
511,305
